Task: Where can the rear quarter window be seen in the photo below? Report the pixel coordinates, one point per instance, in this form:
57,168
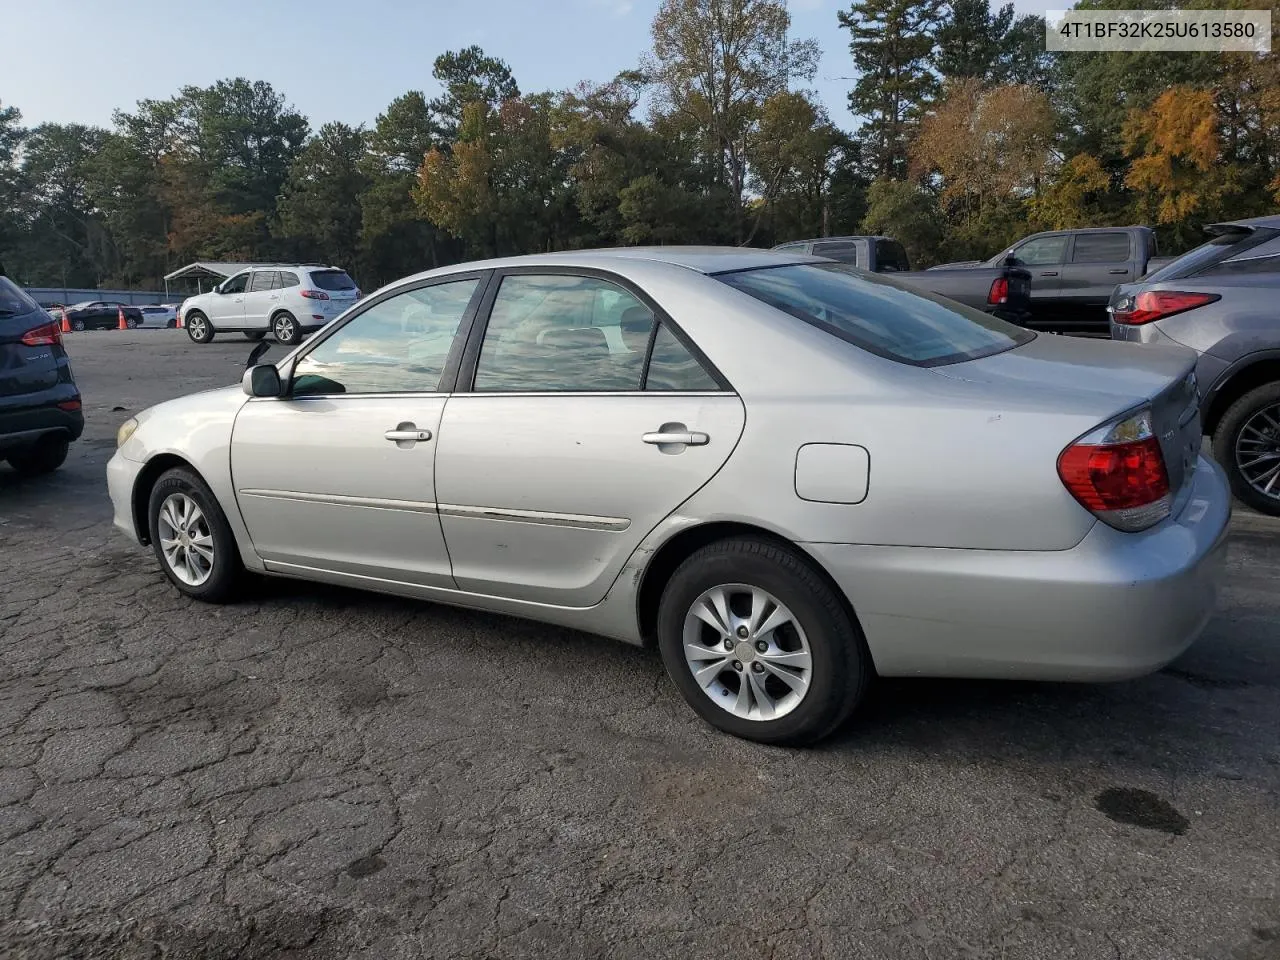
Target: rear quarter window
14,301
880,315
332,280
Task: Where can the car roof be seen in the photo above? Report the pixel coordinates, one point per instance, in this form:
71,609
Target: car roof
706,260
1272,221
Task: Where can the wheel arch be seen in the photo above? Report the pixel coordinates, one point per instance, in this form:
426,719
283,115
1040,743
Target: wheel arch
156,467
1239,379
682,545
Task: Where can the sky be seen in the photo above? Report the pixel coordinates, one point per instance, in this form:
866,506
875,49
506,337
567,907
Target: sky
78,60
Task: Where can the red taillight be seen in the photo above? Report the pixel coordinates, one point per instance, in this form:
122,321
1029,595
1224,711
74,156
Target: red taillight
71,406
1117,472
1155,304
314,294
45,335
999,292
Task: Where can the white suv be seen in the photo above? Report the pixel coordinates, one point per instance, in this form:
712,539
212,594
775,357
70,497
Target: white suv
285,299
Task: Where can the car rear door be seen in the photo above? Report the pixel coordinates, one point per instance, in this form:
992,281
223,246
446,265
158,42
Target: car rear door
583,417
338,476
1099,260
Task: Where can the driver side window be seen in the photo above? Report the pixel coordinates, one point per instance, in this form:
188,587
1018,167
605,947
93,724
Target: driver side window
399,345
1042,251
236,284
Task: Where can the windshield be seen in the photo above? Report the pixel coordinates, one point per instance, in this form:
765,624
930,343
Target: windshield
1207,254
879,315
14,301
332,280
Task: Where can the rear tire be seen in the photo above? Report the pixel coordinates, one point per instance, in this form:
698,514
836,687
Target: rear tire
199,329
44,456
216,578
808,618
77,326
1247,444
285,329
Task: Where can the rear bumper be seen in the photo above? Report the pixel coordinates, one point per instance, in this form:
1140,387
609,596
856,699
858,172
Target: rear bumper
27,424
1115,606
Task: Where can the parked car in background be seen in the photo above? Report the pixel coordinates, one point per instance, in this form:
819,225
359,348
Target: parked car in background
789,474
159,315
1073,273
40,411
286,300
102,315
1000,290
1223,300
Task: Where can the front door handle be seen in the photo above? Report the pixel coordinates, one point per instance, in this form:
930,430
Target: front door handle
1117,271
690,438
406,435
1049,273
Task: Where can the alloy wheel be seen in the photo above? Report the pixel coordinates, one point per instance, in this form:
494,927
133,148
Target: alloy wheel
196,328
747,652
284,329
1258,451
185,539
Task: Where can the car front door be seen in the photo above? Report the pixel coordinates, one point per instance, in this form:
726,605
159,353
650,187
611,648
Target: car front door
1043,256
257,298
338,474
583,417
226,306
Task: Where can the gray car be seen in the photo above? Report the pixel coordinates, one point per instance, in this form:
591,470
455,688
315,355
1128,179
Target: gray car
789,475
1221,301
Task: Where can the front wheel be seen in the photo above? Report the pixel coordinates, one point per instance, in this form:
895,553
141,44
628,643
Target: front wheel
192,539
760,645
1247,444
285,329
199,329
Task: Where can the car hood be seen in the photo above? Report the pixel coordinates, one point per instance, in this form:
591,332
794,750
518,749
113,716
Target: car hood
1115,375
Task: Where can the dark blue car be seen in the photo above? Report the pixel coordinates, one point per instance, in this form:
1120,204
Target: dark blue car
39,402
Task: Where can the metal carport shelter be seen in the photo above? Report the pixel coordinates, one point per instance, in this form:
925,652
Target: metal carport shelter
203,270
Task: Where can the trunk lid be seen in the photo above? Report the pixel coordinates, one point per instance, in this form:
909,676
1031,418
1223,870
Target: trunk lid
1102,378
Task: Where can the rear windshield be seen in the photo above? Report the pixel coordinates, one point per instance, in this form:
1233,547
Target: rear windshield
332,280
879,315
14,301
1208,254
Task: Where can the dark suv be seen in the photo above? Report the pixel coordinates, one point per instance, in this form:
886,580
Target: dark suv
39,402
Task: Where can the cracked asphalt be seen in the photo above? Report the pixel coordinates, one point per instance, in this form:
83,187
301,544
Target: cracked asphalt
320,773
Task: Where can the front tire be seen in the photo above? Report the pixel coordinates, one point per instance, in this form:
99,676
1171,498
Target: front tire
760,645
44,456
199,329
285,329
1247,444
191,538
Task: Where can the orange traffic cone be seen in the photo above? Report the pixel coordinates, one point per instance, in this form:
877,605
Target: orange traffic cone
66,326
121,325
177,318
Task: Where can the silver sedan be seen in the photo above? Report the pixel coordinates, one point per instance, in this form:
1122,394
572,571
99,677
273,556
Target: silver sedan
790,476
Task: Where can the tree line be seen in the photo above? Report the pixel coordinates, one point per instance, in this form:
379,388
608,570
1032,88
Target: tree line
969,136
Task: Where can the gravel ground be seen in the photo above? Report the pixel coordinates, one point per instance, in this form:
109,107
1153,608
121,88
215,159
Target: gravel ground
321,773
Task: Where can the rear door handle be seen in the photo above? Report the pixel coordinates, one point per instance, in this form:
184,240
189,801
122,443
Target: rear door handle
1117,271
691,438
1049,273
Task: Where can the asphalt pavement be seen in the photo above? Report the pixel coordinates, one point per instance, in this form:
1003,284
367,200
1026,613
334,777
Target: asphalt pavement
321,773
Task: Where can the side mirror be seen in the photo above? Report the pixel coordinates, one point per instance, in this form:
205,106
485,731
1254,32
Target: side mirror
262,381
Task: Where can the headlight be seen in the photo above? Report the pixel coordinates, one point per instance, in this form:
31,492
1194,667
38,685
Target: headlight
125,432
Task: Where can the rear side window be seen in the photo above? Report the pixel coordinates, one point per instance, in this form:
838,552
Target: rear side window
332,280
878,314
846,251
288,278
14,301
262,280
1101,248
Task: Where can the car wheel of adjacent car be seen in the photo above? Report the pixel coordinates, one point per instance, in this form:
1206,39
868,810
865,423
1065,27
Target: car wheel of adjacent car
285,329
199,329
44,456
254,334
759,643
191,537
1247,444
77,325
